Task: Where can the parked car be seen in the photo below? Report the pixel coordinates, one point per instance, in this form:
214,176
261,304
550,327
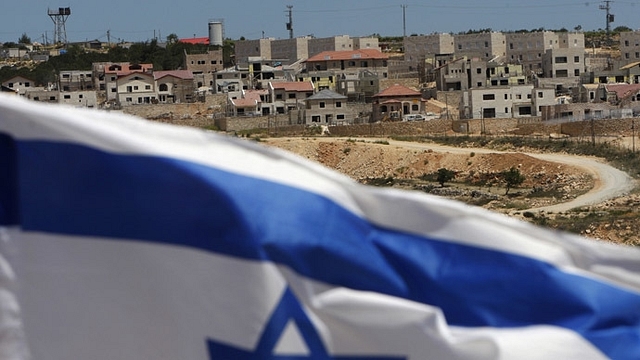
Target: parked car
414,117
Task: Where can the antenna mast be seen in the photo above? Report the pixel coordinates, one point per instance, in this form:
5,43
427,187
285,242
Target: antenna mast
290,23
610,19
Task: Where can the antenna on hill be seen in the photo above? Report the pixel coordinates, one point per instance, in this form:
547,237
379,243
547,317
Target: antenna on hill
610,19
290,23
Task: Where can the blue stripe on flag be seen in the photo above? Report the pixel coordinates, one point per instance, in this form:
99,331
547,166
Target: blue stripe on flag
74,189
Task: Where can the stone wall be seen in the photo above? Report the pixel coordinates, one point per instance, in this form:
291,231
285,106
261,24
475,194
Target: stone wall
439,126
611,127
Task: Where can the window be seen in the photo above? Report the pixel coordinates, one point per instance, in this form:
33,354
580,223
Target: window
478,71
637,55
278,96
576,72
459,46
626,55
576,59
129,99
626,43
315,118
322,104
562,73
486,44
561,60
540,94
163,87
135,87
113,90
518,96
479,84
506,97
415,107
340,116
291,95
67,96
506,110
52,98
147,87
488,96
80,96
338,104
36,98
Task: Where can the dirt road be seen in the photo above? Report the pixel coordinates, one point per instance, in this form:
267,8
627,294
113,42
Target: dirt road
609,181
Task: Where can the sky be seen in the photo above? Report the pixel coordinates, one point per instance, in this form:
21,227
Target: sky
142,20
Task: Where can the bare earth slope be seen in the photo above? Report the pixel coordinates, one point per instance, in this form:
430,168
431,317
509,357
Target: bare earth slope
554,183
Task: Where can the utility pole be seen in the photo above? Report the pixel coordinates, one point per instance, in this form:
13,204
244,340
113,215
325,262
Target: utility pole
290,23
404,20
610,18
109,37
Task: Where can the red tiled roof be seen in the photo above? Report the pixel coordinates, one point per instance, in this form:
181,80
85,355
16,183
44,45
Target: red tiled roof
195,40
180,74
397,90
623,90
244,102
293,85
349,55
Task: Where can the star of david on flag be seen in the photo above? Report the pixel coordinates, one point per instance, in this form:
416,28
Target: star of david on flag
123,238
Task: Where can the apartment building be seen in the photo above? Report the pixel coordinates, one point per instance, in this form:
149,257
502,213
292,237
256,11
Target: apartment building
244,49
418,48
486,46
528,49
325,108
507,101
75,80
290,50
86,98
562,68
335,43
630,45
349,62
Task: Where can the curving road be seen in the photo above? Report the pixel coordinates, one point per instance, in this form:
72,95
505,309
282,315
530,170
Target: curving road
609,181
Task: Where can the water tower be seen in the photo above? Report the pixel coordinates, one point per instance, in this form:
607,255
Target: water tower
59,17
216,32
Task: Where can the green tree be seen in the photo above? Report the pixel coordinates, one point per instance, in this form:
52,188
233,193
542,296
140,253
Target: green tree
512,178
24,39
445,175
172,38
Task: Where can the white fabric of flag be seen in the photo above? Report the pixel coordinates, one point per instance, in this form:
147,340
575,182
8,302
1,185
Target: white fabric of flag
128,239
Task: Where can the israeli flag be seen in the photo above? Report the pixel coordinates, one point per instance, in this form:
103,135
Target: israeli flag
125,239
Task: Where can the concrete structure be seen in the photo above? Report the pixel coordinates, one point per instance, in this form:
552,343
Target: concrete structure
366,43
18,84
286,96
528,48
335,43
135,88
630,45
507,102
85,98
358,87
396,101
216,32
203,67
248,103
326,108
419,48
75,80
106,75
42,95
349,62
485,46
562,68
252,48
174,86
289,51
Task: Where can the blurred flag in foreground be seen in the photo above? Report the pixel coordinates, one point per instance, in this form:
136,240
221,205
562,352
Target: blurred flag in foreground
125,239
